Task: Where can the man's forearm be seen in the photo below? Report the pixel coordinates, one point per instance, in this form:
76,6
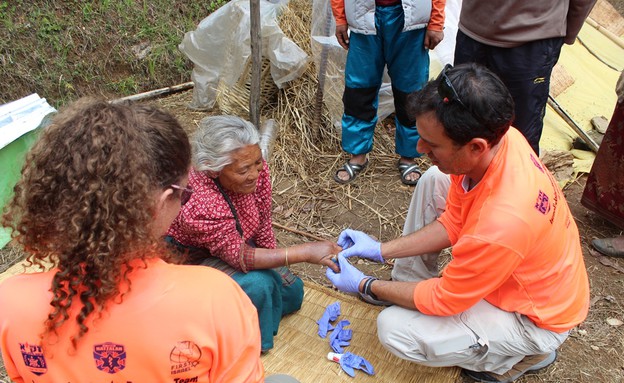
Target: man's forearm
399,293
430,239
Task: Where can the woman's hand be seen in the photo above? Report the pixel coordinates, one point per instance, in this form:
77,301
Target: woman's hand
322,253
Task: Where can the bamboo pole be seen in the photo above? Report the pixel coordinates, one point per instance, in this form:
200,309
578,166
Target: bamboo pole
318,100
612,36
256,62
156,92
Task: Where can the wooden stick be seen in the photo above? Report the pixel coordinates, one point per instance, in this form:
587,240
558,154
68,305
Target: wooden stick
566,117
610,35
156,92
256,62
303,233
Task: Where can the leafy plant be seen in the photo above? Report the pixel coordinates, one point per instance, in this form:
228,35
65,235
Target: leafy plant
112,48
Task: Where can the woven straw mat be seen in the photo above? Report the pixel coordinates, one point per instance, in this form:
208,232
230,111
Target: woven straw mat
301,353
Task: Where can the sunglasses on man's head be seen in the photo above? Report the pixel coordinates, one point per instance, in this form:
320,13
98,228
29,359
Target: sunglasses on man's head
185,194
446,89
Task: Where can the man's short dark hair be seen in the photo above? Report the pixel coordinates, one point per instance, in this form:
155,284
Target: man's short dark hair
486,109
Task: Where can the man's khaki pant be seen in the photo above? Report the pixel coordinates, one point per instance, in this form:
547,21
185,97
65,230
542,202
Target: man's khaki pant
483,338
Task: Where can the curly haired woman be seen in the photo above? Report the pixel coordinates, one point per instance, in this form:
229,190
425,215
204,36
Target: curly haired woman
98,191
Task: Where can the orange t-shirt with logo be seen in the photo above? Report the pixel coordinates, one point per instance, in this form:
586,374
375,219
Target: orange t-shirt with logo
177,324
515,244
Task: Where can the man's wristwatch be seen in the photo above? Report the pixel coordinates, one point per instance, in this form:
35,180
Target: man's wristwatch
368,288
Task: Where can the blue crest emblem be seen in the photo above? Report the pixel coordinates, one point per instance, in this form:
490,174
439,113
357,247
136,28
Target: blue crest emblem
543,203
33,358
109,357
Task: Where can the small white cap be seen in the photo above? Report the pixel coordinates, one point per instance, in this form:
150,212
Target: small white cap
334,357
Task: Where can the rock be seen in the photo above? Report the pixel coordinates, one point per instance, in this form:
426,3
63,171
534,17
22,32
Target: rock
600,123
580,144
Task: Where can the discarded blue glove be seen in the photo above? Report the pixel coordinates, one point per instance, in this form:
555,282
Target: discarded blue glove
348,279
332,312
349,361
341,336
359,244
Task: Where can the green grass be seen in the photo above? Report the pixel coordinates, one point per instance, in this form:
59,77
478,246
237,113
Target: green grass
63,50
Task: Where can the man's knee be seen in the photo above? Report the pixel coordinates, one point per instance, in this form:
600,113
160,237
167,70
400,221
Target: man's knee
390,324
434,176
434,185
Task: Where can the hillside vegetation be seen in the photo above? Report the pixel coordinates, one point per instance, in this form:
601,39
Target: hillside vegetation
66,49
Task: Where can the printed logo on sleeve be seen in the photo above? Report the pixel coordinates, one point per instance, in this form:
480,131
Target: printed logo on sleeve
542,204
109,357
184,356
537,163
33,358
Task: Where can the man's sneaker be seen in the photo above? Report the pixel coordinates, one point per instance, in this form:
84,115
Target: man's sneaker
529,363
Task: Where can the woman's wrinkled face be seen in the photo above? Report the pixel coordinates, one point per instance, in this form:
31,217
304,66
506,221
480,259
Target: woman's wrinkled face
241,176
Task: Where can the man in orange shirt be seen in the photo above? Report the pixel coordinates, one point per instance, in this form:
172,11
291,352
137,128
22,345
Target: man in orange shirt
517,282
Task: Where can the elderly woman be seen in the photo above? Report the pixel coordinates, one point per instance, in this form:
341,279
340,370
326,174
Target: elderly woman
98,191
226,223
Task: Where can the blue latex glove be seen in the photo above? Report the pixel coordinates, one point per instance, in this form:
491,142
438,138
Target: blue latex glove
341,336
349,277
349,361
358,244
332,312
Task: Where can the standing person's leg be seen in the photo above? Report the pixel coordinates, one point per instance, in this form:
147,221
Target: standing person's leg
468,50
428,203
363,74
483,338
526,72
408,68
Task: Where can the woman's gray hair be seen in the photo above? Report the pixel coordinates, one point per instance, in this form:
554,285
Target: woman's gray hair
217,137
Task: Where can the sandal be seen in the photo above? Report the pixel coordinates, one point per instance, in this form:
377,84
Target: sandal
352,170
613,247
407,169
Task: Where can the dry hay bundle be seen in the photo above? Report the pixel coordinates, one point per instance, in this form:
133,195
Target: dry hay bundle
295,111
234,100
560,80
608,17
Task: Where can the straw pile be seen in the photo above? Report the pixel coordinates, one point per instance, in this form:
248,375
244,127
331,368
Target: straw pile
300,352
608,17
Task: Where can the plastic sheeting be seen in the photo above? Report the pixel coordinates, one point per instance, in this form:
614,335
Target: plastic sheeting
19,121
220,48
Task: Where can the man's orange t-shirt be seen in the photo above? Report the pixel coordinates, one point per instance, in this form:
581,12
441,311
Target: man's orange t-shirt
515,244
177,324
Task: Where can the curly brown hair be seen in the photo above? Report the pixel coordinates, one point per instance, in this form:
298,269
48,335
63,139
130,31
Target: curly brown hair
85,202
